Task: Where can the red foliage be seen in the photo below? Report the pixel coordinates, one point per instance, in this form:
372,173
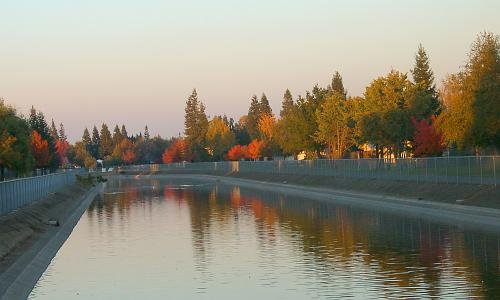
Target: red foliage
128,156
61,150
40,149
237,152
255,149
427,140
177,152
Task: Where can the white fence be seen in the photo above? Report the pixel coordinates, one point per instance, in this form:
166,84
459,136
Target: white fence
450,170
18,192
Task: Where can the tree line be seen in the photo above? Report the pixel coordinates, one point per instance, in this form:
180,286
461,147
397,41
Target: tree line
397,116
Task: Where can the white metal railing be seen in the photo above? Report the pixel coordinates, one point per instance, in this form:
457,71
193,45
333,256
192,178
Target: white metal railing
451,170
18,192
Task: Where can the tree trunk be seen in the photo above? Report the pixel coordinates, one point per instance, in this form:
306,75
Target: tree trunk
2,173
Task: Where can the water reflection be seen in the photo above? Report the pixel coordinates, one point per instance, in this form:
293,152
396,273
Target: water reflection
247,243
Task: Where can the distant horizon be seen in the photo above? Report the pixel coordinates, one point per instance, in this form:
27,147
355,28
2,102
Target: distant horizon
136,64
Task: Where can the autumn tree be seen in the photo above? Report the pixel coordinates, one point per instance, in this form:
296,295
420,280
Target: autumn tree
15,142
178,151
219,138
255,149
7,152
427,140
83,156
39,124
237,152
124,151
470,98
40,150
62,147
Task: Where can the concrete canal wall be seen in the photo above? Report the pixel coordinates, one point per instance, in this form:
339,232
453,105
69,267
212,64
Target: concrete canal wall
31,236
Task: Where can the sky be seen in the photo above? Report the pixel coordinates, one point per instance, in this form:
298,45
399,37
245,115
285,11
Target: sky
83,63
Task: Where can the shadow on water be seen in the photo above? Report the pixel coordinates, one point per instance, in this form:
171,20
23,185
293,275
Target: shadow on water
332,247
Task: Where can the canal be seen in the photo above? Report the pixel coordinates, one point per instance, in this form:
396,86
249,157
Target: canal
161,238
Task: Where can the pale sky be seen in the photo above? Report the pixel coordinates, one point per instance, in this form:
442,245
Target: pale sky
135,62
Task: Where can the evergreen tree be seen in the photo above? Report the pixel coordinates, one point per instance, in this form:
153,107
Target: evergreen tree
252,120
62,133
146,133
264,107
124,132
425,102
337,85
53,131
287,104
195,127
86,139
117,136
106,142
96,142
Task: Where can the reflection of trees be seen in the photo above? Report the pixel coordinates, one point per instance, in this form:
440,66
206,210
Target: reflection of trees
404,254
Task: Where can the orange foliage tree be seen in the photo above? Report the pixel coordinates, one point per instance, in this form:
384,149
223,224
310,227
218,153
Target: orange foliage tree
177,152
40,150
125,151
255,149
427,140
237,152
62,147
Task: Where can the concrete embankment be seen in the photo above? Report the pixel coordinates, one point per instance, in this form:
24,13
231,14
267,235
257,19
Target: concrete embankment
444,211
31,236
464,194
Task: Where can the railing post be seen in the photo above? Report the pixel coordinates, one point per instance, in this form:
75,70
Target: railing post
481,168
494,171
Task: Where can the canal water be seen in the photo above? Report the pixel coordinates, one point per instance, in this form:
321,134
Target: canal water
183,239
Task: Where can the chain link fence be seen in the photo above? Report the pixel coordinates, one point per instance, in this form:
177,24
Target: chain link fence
18,192
450,170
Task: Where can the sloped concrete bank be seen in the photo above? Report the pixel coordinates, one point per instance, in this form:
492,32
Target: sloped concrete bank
30,237
467,216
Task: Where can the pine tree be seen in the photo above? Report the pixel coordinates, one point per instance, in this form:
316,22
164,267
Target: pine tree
252,119
146,133
86,139
96,142
117,136
195,126
264,107
287,104
337,85
62,133
106,145
124,132
53,131
422,73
